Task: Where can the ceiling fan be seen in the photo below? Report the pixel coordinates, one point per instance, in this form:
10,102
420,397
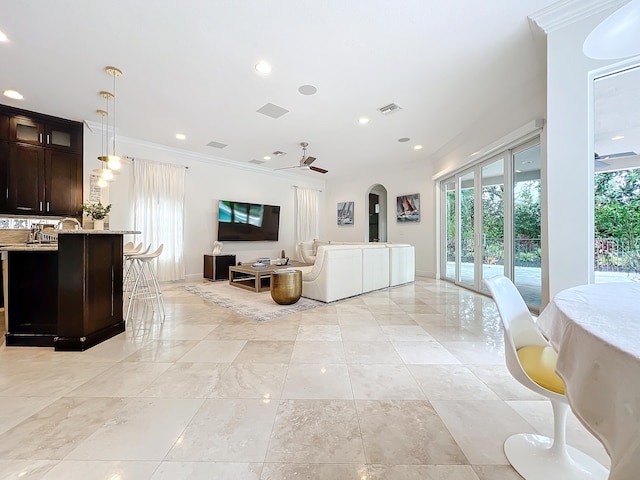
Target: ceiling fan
306,161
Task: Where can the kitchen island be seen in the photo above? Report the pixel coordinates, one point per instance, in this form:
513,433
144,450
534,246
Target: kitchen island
67,296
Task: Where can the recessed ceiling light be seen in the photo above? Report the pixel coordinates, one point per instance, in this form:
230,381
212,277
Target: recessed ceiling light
618,137
363,120
474,154
3,37
13,94
267,157
404,139
417,147
263,67
181,136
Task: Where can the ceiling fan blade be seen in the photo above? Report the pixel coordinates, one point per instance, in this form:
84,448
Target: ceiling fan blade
309,160
287,168
616,155
319,170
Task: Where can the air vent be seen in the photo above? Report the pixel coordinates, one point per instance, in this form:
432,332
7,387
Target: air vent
278,153
389,109
216,144
273,111
256,162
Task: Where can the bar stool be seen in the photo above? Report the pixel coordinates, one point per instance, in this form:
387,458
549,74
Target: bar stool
129,267
145,286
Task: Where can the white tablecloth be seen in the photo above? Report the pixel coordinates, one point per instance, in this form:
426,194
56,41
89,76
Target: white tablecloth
596,330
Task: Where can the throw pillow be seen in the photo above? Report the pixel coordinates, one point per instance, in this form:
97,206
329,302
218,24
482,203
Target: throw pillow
318,243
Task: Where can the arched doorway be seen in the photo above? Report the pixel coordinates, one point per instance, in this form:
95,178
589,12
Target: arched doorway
376,202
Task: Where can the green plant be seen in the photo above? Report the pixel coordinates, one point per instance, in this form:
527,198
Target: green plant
96,211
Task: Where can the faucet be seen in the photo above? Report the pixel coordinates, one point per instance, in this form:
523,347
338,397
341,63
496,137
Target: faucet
60,224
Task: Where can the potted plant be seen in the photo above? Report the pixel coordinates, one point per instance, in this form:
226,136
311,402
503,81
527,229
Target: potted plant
97,212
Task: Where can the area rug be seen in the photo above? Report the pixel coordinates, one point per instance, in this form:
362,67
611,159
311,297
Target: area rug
258,306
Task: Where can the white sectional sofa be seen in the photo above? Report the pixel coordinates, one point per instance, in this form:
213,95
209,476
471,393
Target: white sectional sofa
343,270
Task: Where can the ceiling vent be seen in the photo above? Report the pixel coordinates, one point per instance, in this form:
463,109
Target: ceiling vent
216,144
278,153
256,162
273,111
389,109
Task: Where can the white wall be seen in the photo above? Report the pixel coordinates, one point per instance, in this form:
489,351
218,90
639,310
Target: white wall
397,181
569,162
207,180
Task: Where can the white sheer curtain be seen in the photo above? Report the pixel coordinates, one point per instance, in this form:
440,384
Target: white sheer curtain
307,214
158,212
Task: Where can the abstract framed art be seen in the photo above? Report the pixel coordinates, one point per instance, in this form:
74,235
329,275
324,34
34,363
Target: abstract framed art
408,208
345,213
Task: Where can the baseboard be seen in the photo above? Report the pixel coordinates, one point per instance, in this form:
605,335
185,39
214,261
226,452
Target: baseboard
421,273
193,277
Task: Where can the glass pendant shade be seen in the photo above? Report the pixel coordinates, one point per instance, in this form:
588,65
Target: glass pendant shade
617,36
109,159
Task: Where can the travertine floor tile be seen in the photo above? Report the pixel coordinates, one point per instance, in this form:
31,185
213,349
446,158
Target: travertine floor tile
226,430
405,432
316,431
406,383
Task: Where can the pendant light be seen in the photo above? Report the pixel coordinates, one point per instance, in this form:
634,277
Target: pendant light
104,173
617,36
110,161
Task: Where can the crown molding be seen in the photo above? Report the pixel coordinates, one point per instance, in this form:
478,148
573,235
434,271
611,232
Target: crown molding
567,12
213,160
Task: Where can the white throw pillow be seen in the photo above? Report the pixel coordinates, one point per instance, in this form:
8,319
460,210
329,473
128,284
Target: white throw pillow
318,243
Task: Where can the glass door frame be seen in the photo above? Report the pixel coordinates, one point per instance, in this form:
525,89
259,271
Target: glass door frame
507,158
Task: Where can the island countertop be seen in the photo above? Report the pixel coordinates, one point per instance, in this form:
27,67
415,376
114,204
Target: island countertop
98,232
48,246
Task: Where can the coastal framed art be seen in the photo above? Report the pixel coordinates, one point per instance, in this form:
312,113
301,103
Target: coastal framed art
408,208
345,213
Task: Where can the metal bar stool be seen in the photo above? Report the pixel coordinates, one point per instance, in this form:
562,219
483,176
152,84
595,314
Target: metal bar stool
129,267
146,286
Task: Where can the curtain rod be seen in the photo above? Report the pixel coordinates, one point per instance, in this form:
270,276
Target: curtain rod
134,158
297,186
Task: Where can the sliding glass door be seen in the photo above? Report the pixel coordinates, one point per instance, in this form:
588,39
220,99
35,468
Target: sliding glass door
450,231
491,219
526,223
466,205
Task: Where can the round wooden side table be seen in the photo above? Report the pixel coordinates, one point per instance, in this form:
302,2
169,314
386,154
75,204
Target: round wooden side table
286,286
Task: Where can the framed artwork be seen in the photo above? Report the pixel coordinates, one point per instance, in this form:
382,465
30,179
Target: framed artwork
345,213
408,208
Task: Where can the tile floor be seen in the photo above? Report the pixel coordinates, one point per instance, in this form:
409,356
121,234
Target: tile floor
403,384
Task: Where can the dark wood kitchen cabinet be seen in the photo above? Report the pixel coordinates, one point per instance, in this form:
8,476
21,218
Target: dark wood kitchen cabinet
33,297
40,164
59,134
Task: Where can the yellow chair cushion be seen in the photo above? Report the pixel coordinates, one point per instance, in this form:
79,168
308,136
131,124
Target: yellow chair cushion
539,363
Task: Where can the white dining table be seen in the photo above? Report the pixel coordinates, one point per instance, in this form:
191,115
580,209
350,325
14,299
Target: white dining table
596,331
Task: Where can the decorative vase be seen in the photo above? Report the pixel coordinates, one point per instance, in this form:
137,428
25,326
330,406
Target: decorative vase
98,224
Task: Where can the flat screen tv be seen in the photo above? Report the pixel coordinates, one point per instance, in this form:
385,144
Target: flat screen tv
247,222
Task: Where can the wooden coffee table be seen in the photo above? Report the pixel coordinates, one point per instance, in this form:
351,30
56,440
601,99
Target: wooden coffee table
257,279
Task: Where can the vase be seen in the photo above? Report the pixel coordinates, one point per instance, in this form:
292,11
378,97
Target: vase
98,224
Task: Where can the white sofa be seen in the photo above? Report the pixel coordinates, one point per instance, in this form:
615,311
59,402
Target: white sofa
343,270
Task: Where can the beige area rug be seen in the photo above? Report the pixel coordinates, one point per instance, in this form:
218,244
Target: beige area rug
258,306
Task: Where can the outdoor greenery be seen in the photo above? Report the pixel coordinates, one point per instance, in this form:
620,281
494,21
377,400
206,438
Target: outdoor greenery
617,222
526,225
